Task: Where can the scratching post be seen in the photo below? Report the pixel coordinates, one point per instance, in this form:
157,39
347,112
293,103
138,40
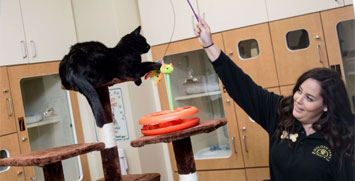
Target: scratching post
109,156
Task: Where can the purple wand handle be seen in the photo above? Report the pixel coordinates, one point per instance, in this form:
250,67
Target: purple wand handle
193,10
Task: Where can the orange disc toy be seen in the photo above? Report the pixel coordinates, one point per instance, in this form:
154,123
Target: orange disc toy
169,121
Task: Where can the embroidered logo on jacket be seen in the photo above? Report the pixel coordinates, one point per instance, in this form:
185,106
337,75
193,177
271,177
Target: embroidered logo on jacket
323,151
292,137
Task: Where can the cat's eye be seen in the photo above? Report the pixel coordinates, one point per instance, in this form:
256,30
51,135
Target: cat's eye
297,39
248,49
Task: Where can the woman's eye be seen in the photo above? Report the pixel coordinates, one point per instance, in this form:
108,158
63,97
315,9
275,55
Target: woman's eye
309,99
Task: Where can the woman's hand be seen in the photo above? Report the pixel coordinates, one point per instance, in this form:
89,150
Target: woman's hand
203,32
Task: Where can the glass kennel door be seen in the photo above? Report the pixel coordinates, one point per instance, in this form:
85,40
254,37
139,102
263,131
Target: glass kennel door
195,83
49,120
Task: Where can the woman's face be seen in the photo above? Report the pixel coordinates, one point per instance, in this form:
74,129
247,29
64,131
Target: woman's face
308,103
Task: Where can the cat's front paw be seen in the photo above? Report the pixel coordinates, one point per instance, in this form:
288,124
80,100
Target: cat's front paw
138,82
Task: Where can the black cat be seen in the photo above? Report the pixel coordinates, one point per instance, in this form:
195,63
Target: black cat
90,65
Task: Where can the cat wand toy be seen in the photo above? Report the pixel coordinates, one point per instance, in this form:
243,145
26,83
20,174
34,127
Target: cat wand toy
193,10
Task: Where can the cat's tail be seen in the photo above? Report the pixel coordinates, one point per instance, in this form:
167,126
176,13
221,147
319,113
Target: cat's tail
85,87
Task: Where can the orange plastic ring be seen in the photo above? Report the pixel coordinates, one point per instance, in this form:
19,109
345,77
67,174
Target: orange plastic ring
186,123
167,115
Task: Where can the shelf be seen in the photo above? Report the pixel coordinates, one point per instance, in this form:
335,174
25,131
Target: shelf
198,95
43,122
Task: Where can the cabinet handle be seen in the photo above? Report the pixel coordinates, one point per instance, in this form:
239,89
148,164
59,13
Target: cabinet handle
233,143
23,49
24,139
228,101
10,106
5,90
19,172
231,53
245,143
193,23
34,51
318,49
336,68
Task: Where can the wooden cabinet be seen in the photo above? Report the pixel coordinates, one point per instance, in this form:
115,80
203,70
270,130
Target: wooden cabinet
258,61
48,26
298,45
234,157
9,147
254,139
280,9
331,20
35,87
7,116
340,35
257,174
220,175
225,15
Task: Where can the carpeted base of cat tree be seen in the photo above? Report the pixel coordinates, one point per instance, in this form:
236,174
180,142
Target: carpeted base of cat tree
181,141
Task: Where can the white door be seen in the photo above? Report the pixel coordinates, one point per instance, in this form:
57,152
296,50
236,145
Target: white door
157,17
49,27
12,37
279,9
229,14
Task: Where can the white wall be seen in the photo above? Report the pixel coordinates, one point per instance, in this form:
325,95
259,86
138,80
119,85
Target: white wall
107,21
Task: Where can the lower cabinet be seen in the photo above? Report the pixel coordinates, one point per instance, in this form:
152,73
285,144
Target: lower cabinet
249,174
41,115
9,146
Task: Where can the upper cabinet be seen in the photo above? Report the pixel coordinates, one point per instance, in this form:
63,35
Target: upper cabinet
35,31
157,17
161,19
279,9
49,28
229,14
12,37
348,2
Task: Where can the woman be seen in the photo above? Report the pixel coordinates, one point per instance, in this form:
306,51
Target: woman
311,132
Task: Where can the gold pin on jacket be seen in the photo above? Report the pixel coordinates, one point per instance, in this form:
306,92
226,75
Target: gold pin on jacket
292,137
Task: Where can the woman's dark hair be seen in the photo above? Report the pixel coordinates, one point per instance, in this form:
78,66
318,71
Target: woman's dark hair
337,124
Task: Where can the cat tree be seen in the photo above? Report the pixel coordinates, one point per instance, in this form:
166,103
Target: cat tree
50,159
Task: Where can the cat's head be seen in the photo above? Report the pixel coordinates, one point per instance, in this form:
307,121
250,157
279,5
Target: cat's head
136,41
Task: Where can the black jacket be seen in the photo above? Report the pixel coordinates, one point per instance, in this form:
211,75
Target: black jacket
308,158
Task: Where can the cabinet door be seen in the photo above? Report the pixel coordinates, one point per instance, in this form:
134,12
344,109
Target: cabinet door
251,49
348,2
257,174
12,36
7,116
35,88
340,35
49,27
298,46
9,147
279,9
219,149
229,14
158,17
255,140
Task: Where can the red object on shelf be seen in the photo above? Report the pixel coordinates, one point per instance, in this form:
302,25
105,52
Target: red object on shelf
169,121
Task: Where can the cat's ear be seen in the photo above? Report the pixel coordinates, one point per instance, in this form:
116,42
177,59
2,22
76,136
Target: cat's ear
137,30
